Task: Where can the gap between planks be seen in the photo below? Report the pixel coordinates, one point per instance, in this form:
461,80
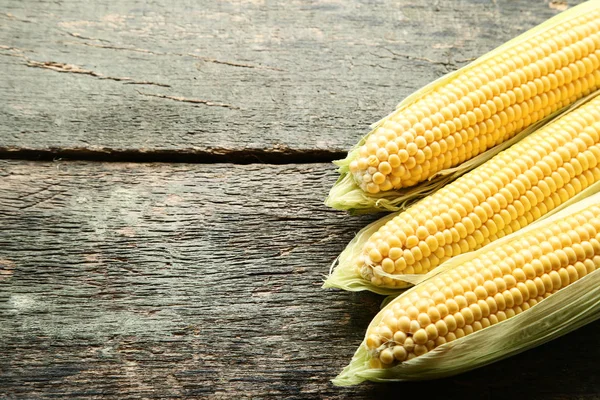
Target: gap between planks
278,156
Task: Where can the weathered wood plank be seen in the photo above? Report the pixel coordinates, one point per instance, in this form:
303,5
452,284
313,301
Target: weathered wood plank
203,281
162,78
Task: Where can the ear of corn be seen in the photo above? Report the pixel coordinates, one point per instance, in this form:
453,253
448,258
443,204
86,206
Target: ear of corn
540,175
524,290
463,115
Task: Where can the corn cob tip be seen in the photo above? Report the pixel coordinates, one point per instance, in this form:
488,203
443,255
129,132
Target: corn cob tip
343,272
346,195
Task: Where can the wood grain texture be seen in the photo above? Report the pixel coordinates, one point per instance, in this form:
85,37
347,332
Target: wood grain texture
195,80
203,281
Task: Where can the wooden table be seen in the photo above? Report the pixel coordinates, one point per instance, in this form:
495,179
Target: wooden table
163,172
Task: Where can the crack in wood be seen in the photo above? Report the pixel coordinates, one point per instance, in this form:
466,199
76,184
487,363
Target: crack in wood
70,68
145,51
14,51
74,69
232,64
446,64
15,18
78,36
188,100
9,48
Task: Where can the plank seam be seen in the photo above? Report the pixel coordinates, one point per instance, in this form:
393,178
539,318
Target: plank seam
194,156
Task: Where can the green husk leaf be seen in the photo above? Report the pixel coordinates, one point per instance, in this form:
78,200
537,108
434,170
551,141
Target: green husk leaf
344,275
347,195
568,309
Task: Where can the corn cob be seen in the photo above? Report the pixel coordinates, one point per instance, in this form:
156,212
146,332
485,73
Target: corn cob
526,289
531,179
464,114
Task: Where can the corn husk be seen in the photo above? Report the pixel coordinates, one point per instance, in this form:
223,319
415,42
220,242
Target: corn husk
343,274
568,309
347,195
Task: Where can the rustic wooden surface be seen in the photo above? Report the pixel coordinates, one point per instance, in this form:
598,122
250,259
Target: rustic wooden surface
178,280
228,80
162,280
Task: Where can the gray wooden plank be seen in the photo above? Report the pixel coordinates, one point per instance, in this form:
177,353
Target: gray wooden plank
103,79
203,281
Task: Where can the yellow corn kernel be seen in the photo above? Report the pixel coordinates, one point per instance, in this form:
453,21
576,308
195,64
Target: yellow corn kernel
492,299
513,189
488,102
